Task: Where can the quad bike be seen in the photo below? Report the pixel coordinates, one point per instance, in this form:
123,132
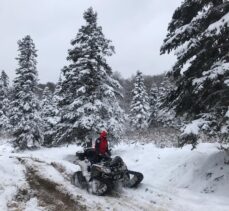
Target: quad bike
101,178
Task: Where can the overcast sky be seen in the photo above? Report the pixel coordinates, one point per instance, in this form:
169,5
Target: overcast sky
136,27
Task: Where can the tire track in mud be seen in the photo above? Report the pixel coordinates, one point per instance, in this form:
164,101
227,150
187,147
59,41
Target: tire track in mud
50,195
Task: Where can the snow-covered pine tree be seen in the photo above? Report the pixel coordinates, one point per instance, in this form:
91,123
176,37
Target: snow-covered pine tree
225,129
57,97
4,103
166,115
139,108
49,115
89,102
25,105
153,98
199,32
5,79
161,114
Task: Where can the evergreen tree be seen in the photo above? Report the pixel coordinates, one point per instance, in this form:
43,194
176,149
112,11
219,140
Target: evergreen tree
49,115
166,116
161,114
128,85
57,98
199,32
4,103
25,106
139,108
5,79
153,102
89,102
225,128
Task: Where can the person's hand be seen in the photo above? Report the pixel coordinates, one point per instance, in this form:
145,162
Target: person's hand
109,152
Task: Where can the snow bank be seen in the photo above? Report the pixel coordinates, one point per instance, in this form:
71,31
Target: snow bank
32,205
180,179
11,177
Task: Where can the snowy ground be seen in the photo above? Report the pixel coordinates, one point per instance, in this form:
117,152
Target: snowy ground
175,179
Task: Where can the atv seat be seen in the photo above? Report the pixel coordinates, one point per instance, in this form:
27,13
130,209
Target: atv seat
89,153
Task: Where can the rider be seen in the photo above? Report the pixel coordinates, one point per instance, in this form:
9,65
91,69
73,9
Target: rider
101,147
100,152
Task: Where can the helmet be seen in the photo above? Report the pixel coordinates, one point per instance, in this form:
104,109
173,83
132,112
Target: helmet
103,134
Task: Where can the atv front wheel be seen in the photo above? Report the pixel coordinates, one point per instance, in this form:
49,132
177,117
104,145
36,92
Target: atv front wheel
79,180
98,188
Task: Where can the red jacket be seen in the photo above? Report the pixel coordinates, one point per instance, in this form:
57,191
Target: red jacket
101,145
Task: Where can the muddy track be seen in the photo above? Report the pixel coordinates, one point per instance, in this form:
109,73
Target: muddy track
47,192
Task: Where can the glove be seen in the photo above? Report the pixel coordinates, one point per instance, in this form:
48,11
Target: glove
109,152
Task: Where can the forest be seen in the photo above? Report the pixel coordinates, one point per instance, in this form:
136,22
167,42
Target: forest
192,98
185,108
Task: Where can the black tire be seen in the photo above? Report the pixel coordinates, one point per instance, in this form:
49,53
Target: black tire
79,180
98,188
126,179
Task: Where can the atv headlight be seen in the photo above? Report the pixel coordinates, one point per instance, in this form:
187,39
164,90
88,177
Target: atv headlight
102,169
